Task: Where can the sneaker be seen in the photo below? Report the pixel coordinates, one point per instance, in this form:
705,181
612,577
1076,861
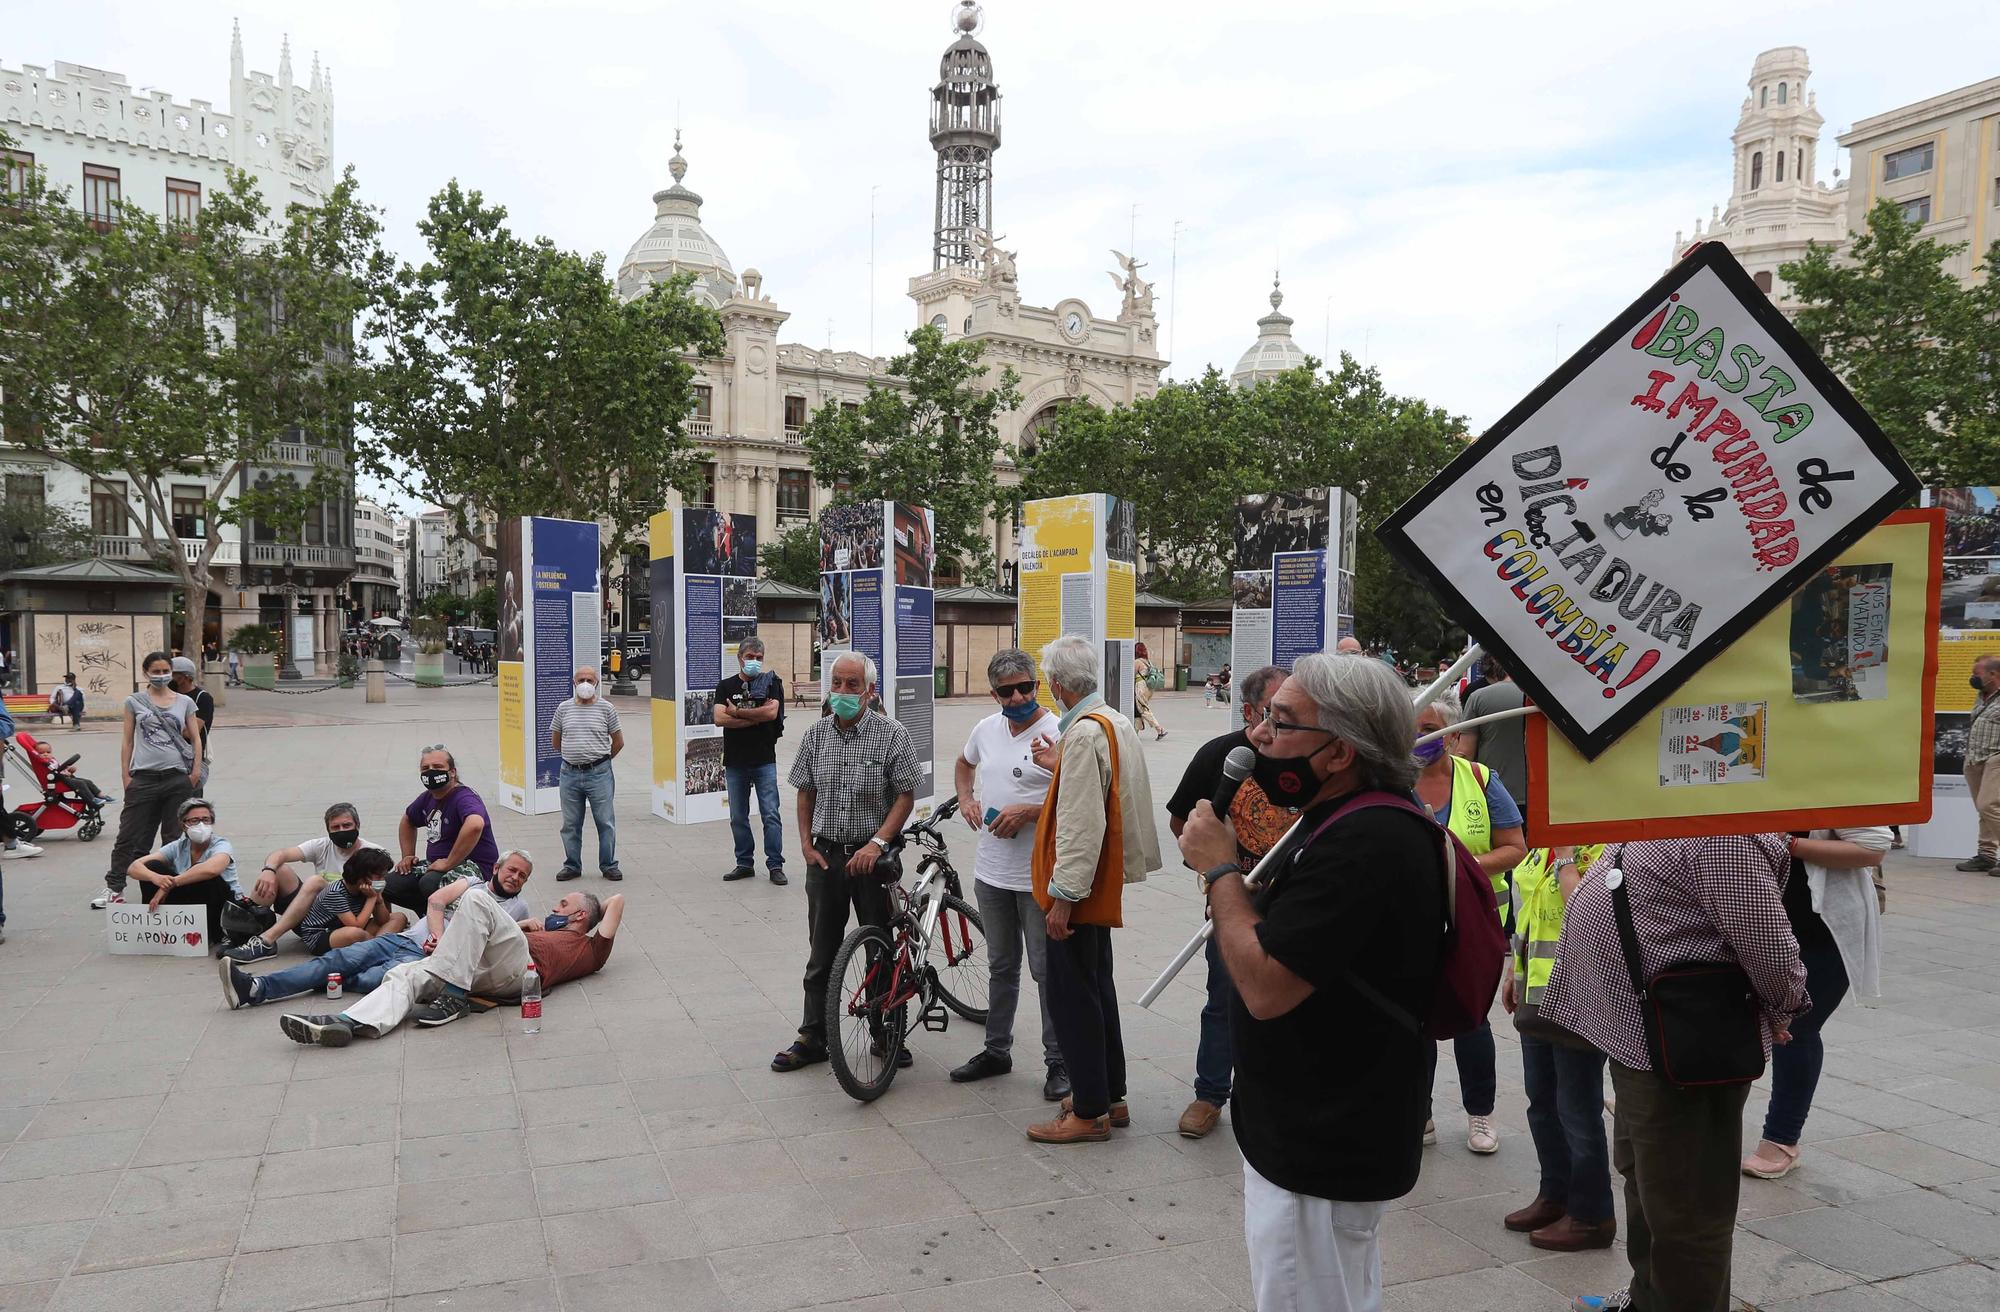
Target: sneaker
238,989
252,949
614,874
319,1031
1975,864
778,875
1481,1137
1430,1134
444,1011
1617,1301
984,1064
107,900
740,872
21,850
567,873
1056,1087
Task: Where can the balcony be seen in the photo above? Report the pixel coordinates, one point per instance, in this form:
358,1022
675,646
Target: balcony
305,453
794,436
106,546
280,554
701,428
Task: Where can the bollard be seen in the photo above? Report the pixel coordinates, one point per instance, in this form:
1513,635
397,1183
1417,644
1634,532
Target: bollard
214,679
378,682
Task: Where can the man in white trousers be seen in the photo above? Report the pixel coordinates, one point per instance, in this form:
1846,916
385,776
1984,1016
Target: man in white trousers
482,951
1331,1092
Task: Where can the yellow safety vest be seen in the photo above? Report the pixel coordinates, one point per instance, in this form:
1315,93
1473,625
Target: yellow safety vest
1471,820
1538,917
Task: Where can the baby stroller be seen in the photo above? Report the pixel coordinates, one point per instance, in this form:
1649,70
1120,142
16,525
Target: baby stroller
68,800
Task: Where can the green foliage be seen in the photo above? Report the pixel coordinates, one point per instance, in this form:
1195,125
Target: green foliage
449,607
513,381
484,607
931,441
254,640
1184,456
1919,350
794,557
155,353
36,533
429,631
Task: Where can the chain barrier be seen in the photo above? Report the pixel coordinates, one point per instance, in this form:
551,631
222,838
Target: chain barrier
445,683
359,680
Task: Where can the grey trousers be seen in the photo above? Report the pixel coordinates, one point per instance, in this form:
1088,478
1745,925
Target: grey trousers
1014,921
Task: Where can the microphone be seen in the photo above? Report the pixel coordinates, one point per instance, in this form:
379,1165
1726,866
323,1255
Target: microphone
1236,767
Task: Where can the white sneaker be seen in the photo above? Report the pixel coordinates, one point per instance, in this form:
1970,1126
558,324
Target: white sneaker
107,900
1430,1133
1481,1137
21,850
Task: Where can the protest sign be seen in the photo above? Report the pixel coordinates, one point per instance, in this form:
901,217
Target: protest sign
1657,496
172,931
1739,749
1078,568
549,625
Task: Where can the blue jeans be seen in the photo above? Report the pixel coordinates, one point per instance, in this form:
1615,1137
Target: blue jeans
596,785
1478,1081
361,968
1795,1066
764,778
1565,1088
1213,1058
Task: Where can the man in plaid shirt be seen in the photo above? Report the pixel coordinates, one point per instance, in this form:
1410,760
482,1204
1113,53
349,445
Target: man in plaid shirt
1982,772
1693,899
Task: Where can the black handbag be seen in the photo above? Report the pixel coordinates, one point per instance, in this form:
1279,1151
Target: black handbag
1703,1019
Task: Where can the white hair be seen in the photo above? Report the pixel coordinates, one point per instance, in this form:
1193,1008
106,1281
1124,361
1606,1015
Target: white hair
1447,706
521,852
867,664
1072,662
1361,702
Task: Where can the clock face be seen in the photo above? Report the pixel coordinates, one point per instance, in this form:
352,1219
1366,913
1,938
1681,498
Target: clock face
1074,324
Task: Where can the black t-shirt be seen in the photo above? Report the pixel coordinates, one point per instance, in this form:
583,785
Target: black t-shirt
204,706
1331,1097
1204,772
757,745
1259,823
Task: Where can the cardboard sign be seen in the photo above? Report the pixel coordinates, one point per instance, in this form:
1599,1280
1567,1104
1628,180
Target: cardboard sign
172,931
1674,481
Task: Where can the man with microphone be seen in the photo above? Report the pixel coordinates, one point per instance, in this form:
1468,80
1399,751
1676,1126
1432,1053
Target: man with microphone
1258,825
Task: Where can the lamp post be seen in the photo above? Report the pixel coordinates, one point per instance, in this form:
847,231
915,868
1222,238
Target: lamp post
624,685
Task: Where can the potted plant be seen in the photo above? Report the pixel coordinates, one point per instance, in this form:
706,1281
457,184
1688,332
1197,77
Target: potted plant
258,644
348,669
430,652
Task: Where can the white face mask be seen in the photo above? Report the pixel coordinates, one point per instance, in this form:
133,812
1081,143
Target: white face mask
200,832
585,691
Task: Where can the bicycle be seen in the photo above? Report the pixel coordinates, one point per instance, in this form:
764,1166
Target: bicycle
931,953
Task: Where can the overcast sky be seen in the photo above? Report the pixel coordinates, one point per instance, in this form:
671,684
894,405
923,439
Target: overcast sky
1454,191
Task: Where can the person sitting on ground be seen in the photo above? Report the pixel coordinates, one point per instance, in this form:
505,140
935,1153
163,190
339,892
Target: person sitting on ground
458,834
481,952
352,909
362,965
197,867
276,888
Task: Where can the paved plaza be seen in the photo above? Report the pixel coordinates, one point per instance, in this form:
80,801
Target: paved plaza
160,1152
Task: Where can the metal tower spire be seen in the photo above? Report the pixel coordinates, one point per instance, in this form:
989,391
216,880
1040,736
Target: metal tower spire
965,131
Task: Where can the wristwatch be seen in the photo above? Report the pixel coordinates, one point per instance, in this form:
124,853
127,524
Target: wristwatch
1208,877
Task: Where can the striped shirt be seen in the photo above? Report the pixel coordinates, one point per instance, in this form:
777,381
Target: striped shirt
1983,742
1693,900
586,729
855,775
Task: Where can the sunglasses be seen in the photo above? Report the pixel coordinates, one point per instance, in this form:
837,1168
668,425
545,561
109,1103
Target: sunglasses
1026,689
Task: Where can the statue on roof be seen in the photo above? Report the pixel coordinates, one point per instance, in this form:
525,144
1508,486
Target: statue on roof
1138,292
998,263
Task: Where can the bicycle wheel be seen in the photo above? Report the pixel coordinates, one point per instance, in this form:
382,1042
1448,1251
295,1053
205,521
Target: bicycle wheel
863,1035
956,955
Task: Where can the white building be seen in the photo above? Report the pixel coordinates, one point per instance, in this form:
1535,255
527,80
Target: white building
377,585
755,398
104,140
1274,352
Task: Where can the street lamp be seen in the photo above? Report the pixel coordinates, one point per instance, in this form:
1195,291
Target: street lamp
623,684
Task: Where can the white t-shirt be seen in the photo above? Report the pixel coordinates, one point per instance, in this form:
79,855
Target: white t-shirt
325,858
516,908
1006,775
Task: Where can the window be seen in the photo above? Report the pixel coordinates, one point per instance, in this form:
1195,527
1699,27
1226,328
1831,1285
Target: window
18,164
1756,170
1780,162
795,413
794,493
314,524
183,202
1909,162
1763,281
1763,96
1918,210
704,401
107,508
26,491
1781,93
190,510
100,195
1996,193
1799,166
704,492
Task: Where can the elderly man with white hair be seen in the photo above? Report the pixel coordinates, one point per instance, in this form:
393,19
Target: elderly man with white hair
1095,835
1331,1090
585,733
856,776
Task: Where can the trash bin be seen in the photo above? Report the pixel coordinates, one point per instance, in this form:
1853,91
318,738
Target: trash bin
943,686
1180,678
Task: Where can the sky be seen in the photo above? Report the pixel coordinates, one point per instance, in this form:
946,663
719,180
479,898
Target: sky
1456,193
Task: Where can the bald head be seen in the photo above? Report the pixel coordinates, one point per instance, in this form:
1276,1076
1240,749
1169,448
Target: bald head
1347,646
586,672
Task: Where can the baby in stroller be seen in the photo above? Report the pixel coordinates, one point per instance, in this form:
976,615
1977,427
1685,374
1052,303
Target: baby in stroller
68,800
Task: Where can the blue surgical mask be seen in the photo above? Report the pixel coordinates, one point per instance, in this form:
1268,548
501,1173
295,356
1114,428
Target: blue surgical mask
846,705
1022,713
753,667
555,920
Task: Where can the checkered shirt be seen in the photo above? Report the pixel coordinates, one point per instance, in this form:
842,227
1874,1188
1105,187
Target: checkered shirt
855,774
1983,742
1693,899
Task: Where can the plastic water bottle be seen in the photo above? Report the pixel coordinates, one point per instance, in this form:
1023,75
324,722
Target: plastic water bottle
531,1002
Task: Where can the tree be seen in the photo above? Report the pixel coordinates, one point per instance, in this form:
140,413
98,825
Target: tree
794,557
156,354
1919,349
36,533
513,381
484,608
929,439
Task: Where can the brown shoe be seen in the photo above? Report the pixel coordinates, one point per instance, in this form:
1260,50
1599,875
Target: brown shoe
1121,1112
1199,1118
1570,1235
1541,1212
1068,1127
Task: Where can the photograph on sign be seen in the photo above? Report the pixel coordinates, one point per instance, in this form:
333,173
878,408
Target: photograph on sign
1735,751
1840,634
1669,486
1275,523
1971,519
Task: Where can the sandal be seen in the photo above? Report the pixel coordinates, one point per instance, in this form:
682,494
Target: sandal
1771,1161
797,1057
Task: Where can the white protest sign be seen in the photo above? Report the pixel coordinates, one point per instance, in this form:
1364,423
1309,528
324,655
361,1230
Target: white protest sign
172,931
1677,478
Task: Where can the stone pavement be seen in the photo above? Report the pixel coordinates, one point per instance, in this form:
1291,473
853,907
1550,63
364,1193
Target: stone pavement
159,1152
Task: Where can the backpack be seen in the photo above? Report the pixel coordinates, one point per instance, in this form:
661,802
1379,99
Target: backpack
1474,944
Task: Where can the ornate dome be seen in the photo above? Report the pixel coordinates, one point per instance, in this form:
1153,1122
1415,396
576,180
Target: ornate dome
1274,351
677,243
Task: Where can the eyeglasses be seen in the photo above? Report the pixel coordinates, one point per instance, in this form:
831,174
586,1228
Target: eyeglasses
1026,689
1255,715
1286,726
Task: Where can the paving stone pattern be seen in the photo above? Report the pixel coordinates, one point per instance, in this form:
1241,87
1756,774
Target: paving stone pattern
159,1152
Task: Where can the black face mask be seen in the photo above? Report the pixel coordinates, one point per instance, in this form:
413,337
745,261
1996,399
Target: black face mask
1289,781
1977,682
435,779
344,838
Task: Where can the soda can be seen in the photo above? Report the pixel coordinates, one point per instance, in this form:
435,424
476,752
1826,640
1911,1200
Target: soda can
333,984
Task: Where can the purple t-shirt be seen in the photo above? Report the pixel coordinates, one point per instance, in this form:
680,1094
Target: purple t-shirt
440,822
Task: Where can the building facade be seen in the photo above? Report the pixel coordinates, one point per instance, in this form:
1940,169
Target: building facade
377,586
755,398
1939,159
106,141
